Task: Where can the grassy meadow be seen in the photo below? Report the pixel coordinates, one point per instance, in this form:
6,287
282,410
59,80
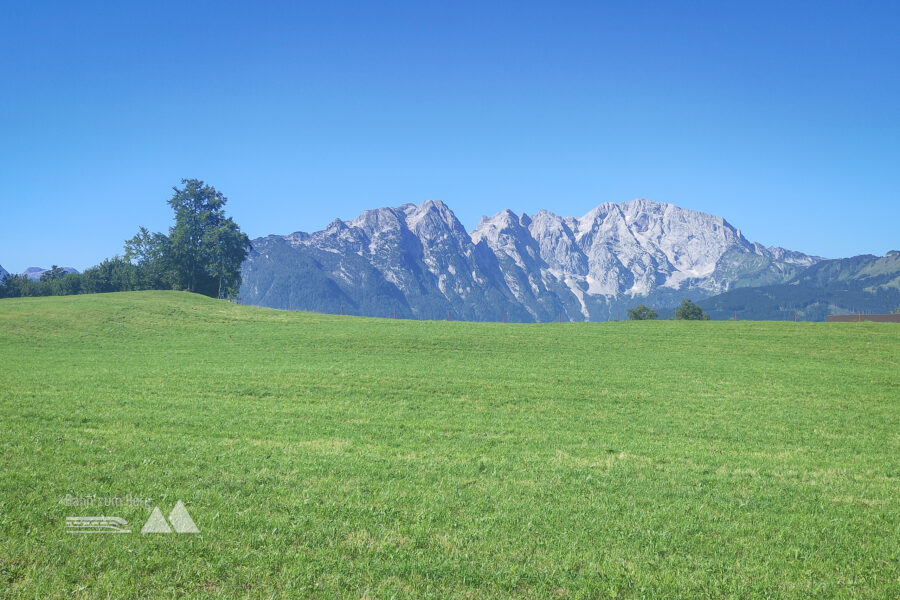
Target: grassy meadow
342,457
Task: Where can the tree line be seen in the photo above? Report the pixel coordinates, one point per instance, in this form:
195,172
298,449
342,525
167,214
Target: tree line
687,311
202,253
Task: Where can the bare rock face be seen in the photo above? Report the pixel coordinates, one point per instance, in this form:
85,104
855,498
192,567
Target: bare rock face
419,261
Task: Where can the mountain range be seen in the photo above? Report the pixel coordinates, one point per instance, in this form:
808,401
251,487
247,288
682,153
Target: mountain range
34,273
866,283
418,261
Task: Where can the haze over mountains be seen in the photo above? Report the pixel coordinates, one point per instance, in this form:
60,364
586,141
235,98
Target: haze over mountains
420,262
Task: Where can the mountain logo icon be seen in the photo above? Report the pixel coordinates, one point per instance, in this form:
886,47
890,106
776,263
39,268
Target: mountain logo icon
179,518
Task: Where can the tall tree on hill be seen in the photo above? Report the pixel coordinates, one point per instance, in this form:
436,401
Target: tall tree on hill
207,248
53,273
204,250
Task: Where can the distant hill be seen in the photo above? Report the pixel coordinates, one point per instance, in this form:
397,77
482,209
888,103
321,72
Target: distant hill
866,283
3,272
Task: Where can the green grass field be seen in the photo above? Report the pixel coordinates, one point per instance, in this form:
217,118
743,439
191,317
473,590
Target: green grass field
326,456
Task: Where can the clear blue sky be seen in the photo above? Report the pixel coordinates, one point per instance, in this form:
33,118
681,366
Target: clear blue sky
782,117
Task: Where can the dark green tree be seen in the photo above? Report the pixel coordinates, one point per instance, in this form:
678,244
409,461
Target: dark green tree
112,275
15,286
53,273
203,252
68,285
688,311
229,249
151,254
206,248
641,313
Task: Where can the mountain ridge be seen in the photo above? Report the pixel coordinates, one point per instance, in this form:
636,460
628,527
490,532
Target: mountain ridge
865,283
419,261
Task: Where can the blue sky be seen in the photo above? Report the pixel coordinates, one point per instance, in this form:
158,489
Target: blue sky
782,117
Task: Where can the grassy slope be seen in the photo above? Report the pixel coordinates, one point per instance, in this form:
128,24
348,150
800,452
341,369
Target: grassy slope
339,456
